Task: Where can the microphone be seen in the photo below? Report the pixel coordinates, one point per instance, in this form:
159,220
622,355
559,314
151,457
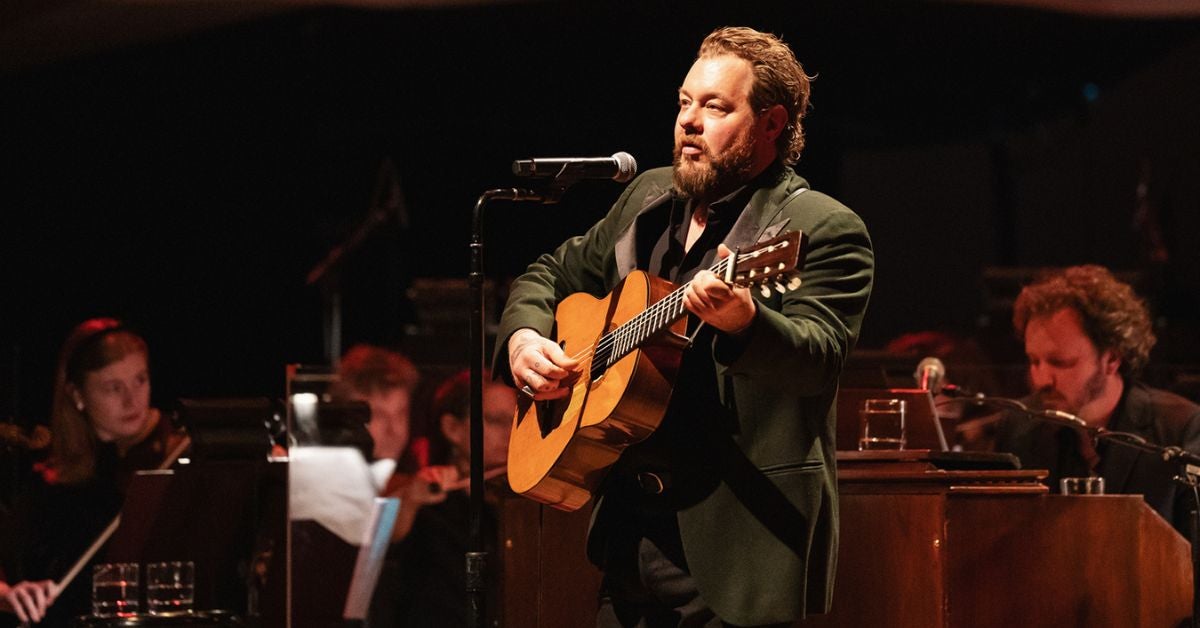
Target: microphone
620,167
1064,417
929,374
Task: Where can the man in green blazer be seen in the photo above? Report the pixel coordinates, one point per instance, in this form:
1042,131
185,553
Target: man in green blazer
727,513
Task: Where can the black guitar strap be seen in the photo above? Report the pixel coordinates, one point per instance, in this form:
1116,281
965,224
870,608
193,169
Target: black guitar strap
772,230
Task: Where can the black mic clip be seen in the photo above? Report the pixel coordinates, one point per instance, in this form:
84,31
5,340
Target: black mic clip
1182,455
958,392
552,192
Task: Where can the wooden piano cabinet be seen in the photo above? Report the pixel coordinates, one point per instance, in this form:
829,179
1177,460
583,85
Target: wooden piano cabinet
547,579
926,548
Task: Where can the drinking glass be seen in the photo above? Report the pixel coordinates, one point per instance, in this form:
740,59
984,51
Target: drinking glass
170,587
1091,485
115,589
881,424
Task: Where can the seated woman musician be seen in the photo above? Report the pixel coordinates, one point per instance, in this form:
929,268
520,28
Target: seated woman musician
103,429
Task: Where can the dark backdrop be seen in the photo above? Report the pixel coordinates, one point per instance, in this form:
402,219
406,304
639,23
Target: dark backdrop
190,186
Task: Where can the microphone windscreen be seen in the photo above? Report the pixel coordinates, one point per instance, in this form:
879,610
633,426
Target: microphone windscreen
929,374
626,166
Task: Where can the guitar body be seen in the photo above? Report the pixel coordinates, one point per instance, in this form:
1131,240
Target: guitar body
560,450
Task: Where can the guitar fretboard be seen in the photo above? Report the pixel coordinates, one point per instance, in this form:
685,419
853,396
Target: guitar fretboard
619,342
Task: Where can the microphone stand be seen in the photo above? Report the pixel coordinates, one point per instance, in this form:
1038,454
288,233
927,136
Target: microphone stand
1189,465
325,274
476,556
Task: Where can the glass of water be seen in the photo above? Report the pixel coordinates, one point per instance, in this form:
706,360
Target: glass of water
170,587
881,424
115,589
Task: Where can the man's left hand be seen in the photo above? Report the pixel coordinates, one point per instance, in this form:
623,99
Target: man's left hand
717,303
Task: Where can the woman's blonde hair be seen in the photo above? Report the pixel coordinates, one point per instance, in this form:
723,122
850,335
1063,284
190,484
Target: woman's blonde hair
91,346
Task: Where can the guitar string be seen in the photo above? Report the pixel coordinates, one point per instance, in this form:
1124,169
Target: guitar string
624,337
625,332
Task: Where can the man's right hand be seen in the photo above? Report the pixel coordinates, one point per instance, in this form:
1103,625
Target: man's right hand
28,600
539,367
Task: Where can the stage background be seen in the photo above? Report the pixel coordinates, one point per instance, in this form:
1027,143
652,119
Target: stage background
189,183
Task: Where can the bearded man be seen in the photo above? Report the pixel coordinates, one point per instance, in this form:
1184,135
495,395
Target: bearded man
1087,337
727,514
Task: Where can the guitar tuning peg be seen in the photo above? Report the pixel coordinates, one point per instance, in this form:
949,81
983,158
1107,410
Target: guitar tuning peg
780,288
794,282
764,290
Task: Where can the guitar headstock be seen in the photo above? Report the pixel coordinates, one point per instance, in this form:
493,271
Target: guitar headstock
772,263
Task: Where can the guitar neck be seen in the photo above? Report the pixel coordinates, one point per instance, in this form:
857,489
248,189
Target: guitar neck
769,261
617,343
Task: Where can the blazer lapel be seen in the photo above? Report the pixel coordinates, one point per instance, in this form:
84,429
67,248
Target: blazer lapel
625,248
752,226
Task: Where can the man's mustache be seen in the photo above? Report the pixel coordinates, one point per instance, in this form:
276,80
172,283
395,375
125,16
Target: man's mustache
1046,395
691,140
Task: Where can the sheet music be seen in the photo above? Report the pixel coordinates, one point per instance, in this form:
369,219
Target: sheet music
335,487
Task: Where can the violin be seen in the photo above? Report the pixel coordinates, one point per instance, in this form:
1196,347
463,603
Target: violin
35,439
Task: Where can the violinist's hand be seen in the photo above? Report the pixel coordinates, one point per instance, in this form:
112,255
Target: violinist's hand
717,303
426,488
539,367
28,600
438,480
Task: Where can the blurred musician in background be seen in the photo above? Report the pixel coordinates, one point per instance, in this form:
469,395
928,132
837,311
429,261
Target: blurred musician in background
385,380
432,589
103,429
450,445
1087,337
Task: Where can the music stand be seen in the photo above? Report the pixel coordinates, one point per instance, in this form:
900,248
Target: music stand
226,517
230,429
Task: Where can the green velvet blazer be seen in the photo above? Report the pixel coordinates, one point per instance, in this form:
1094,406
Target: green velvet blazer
762,546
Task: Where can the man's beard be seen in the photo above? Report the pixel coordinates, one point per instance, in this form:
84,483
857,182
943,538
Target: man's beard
704,180
1092,389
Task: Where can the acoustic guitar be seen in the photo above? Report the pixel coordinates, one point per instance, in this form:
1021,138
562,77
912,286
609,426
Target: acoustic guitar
629,344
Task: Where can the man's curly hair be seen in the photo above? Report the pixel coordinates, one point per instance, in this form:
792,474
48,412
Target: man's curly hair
1114,318
779,79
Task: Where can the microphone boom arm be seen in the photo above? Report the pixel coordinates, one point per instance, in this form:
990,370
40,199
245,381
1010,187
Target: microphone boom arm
1066,419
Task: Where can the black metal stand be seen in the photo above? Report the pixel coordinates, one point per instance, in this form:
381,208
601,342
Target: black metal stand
325,275
1191,478
387,204
476,557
